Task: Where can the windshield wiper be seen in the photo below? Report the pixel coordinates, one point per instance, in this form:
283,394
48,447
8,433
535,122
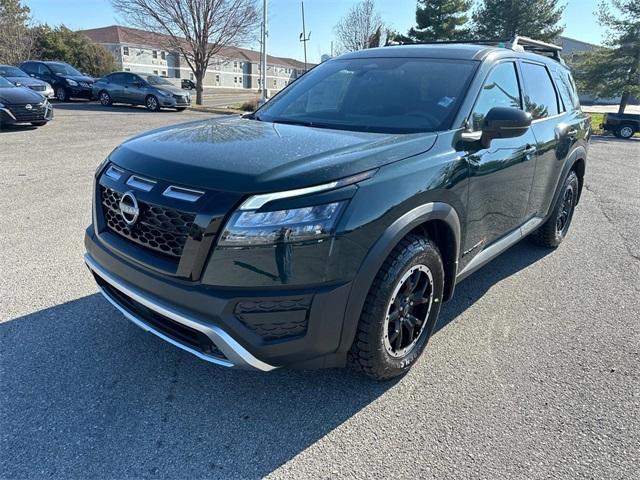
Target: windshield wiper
303,123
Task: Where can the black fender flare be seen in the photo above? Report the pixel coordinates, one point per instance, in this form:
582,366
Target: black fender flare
577,154
381,250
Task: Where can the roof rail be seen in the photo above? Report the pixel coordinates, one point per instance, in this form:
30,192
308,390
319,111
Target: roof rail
517,43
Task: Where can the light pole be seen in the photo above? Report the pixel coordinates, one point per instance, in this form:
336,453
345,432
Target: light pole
303,38
263,73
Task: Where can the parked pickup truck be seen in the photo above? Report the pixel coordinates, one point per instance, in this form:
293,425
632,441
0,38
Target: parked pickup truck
622,126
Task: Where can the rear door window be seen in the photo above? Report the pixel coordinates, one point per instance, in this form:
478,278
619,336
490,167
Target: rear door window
540,97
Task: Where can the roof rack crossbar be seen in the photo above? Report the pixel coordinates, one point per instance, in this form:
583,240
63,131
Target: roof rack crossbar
517,43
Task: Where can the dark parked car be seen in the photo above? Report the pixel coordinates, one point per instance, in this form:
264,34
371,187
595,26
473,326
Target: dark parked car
22,105
21,79
152,91
188,84
328,227
622,126
67,82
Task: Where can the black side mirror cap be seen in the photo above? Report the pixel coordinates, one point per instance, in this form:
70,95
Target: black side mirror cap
504,122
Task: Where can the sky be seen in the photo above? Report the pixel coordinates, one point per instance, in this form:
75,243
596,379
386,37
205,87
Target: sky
285,22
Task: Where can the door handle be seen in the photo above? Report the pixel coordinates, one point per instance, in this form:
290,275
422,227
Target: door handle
529,151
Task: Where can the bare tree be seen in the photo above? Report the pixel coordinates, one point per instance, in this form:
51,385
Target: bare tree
196,29
361,28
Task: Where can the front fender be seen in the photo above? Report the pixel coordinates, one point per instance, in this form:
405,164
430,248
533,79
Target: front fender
381,250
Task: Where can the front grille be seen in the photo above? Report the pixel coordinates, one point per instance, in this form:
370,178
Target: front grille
169,327
181,99
23,114
161,229
86,84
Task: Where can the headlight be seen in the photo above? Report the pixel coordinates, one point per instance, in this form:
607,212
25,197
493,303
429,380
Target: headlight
101,164
72,83
251,228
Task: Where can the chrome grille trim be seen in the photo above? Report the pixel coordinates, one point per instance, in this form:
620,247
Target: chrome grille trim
114,172
181,193
141,183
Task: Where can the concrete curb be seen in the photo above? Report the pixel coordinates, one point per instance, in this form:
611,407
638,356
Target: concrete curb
220,111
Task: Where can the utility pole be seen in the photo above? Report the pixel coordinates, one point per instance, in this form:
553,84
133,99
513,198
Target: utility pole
303,38
263,73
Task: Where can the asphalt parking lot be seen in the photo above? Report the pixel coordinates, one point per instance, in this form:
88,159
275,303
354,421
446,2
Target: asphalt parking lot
534,371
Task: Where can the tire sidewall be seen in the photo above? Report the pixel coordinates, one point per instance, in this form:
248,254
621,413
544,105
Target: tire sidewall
570,182
102,97
389,366
620,130
64,97
151,109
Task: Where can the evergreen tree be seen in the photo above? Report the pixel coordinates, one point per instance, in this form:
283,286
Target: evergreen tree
61,43
615,70
503,19
440,20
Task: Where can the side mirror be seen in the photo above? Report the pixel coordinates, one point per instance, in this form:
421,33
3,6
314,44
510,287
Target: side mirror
504,122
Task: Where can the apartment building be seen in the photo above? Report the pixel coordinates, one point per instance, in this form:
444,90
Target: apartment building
145,52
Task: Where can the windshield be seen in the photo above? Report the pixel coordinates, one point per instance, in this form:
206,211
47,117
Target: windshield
4,83
387,95
155,80
63,69
8,71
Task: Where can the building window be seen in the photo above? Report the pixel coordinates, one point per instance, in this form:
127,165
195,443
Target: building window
235,79
275,82
155,72
155,54
125,51
164,73
191,76
127,69
235,64
217,78
163,55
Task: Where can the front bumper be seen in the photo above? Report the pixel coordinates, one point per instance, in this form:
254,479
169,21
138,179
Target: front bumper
80,92
233,327
14,114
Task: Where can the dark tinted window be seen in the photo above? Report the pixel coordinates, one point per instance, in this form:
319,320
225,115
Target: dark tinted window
130,78
500,89
394,95
29,67
117,78
540,96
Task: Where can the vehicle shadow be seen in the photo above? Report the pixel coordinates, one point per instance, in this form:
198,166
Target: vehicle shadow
87,394
470,290
91,106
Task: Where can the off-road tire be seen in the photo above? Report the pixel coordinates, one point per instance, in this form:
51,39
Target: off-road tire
549,235
368,353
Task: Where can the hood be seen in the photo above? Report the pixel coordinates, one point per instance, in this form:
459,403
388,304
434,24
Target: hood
248,156
17,95
26,81
78,78
171,89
